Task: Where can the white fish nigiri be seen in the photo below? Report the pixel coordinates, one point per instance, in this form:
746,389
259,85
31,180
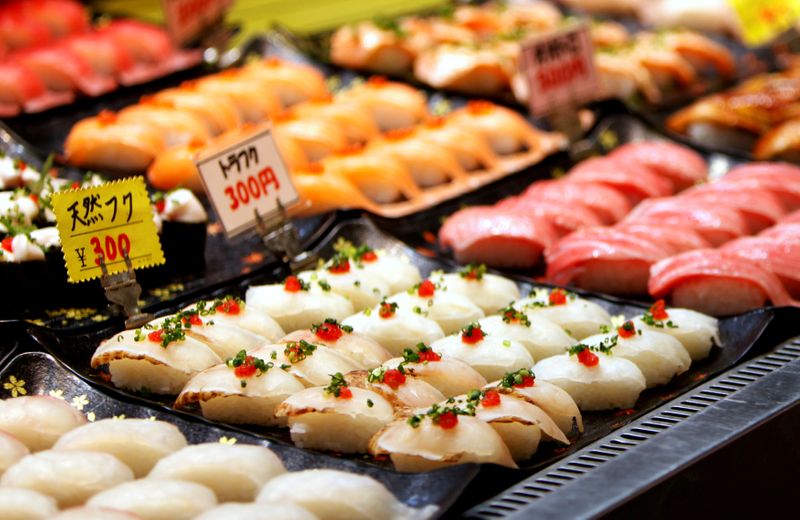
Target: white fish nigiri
396,387
697,332
394,268
394,327
257,511
247,396
296,305
26,504
438,438
659,356
37,420
603,383
157,499
365,351
235,312
490,292
450,376
11,450
311,364
337,417
222,338
451,310
138,359
138,443
234,472
540,336
339,495
94,513
578,317
491,356
71,477
350,280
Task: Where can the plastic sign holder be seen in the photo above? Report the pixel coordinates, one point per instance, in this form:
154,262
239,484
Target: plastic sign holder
281,239
123,290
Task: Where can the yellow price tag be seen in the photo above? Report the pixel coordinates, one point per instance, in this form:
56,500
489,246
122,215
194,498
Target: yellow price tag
763,20
105,221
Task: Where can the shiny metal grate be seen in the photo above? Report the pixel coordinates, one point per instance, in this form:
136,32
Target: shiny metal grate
572,469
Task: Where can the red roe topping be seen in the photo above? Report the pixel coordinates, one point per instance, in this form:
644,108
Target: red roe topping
339,265
245,366
436,122
377,81
588,358
627,330
196,144
21,165
492,397
557,297
160,204
345,393
229,305
192,319
394,378
106,117
448,420
658,310
387,309
522,378
34,197
472,334
398,133
294,284
156,336
369,256
338,387
473,271
426,289
246,369
424,353
330,330
480,107
273,61
314,168
429,355
7,244
75,185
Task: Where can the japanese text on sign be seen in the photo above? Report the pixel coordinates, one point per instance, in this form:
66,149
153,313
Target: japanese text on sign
762,20
106,222
245,178
559,68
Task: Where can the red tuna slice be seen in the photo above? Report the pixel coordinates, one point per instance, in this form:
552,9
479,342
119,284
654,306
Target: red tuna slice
780,178
606,260
20,88
635,182
781,256
497,237
62,70
105,56
565,218
61,17
791,218
609,204
145,42
717,224
674,238
788,231
681,165
19,32
716,283
760,207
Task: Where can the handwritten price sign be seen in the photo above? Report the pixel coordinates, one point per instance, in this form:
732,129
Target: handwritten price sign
763,20
247,177
106,221
559,67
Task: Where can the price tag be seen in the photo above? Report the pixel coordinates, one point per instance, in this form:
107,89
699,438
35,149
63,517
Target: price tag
106,221
246,177
559,67
763,20
186,19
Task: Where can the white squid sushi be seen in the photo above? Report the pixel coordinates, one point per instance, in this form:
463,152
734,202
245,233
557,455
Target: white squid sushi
231,311
244,390
491,356
234,472
697,332
296,305
71,477
450,376
311,364
659,356
442,436
11,451
338,495
138,443
540,336
577,316
490,292
38,421
340,276
26,504
93,513
157,499
137,359
365,351
395,328
594,381
337,417
257,511
451,310
396,387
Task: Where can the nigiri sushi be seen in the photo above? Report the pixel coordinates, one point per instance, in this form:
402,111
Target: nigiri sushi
392,105
224,339
464,68
488,291
636,181
357,124
331,333
394,328
175,167
234,472
680,164
257,511
696,332
234,312
157,499
218,113
609,204
177,127
577,316
351,281
367,46
291,82
470,147
376,173
778,256
328,192
450,376
507,131
393,268
37,421
450,310
26,504
540,336
61,69
21,88
400,389
93,513
318,138
253,104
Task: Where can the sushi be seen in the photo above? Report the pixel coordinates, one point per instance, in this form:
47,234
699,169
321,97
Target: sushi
157,499
38,421
93,513
26,504
292,82
697,332
341,338
138,443
177,127
367,46
391,104
680,164
235,473
507,131
540,336
450,376
337,417
393,327
470,148
234,312
578,316
318,138
356,122
349,280
488,291
11,451
393,268
397,386
257,511
463,68
311,364
71,477
450,310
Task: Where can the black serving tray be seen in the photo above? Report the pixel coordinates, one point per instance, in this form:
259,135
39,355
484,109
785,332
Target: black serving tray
741,336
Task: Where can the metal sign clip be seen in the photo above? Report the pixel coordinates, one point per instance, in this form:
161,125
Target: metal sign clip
281,238
122,289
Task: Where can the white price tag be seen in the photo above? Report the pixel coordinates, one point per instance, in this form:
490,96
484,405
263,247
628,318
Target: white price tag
559,68
246,177
187,18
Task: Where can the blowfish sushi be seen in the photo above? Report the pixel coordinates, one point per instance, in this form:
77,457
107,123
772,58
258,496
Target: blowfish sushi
311,364
234,312
157,499
257,511
26,504
341,277
11,450
488,291
37,421
696,332
400,389
341,338
451,310
393,327
450,376
577,316
394,269
540,336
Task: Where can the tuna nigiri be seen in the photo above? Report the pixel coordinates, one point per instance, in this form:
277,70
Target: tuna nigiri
636,181
681,165
779,255
609,204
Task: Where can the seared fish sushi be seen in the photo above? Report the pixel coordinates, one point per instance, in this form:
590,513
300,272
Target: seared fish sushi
450,376
540,336
451,310
488,291
577,316
341,338
26,504
394,328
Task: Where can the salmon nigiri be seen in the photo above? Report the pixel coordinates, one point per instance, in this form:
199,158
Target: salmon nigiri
175,168
507,131
176,126
392,105
104,143
328,192
254,105
471,148
365,46
356,122
291,82
219,114
377,175
317,137
478,72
